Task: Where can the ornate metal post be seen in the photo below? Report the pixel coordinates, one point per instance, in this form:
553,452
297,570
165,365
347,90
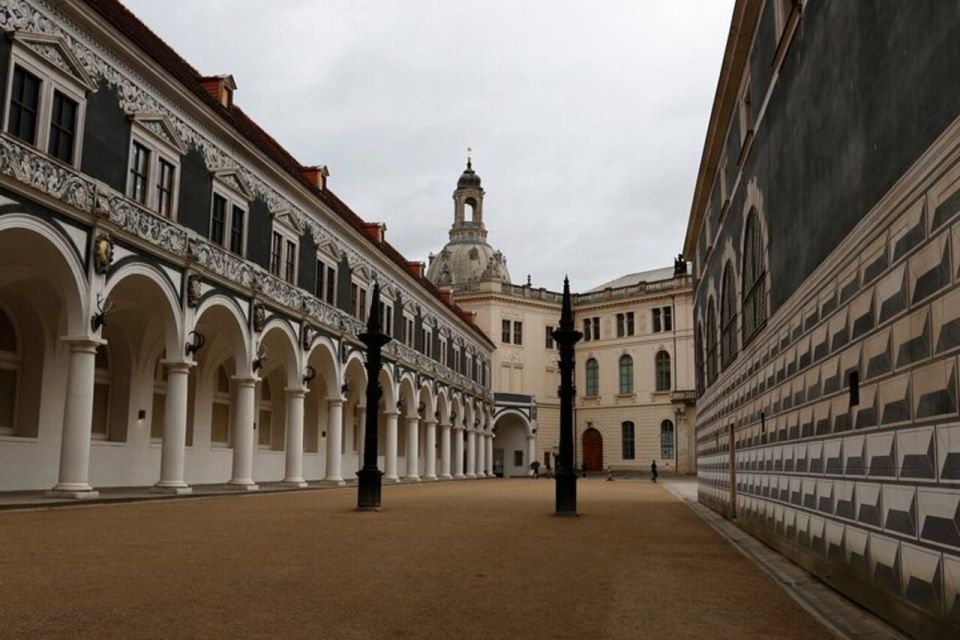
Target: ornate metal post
370,476
566,336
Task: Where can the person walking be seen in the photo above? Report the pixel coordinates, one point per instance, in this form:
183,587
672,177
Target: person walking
653,471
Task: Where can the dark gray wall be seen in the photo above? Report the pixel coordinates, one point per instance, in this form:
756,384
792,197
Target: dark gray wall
398,320
196,186
307,278
343,286
849,115
106,138
259,228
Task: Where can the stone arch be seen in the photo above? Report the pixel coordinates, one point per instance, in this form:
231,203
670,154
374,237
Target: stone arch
226,308
148,286
278,335
408,396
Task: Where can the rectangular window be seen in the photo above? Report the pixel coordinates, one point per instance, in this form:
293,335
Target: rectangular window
517,333
667,319
630,323
363,306
596,328
218,220
586,330
548,338
629,446
518,458
330,290
276,247
165,178
63,128
621,325
138,173
656,321
505,337
236,230
290,273
24,104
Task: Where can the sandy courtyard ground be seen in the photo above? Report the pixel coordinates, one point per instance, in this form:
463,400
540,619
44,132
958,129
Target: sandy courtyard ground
453,560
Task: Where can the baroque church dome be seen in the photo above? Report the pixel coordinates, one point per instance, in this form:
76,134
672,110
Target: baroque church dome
467,258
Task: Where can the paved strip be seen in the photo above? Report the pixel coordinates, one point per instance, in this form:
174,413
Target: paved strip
843,617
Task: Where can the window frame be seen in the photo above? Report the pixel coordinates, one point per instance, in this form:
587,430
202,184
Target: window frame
659,374
287,237
52,78
592,378
628,437
159,150
322,288
234,200
625,374
505,331
668,452
518,332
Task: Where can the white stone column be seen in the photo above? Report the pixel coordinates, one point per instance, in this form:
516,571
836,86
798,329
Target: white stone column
489,456
481,454
413,444
471,454
293,474
334,441
445,451
174,444
390,472
458,453
243,433
77,421
430,450
531,452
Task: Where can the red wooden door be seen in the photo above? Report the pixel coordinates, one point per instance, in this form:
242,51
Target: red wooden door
592,450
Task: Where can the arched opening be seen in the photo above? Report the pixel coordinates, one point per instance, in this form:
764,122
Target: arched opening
10,363
354,409
592,450
754,301
511,450
470,204
220,418
100,426
662,364
711,341
320,389
728,317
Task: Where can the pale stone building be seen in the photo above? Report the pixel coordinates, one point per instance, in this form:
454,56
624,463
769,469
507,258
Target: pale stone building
625,417
180,298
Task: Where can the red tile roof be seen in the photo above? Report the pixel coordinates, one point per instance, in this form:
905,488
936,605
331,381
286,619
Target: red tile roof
163,54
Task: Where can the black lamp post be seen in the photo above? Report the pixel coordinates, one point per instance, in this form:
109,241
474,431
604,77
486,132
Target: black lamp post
566,336
369,477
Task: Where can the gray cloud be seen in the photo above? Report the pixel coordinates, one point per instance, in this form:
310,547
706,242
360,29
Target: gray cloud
587,118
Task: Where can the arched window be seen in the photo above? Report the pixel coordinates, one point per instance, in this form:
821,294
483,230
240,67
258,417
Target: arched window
593,378
628,438
100,429
663,371
159,400
698,357
265,415
220,422
626,374
754,306
9,374
711,342
728,318
666,440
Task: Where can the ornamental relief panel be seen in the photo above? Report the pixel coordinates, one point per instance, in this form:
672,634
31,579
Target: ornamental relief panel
22,164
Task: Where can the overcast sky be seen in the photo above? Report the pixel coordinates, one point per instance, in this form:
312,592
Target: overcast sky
587,119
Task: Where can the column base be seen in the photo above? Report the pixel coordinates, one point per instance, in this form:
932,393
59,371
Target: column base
391,478
181,490
299,484
471,476
243,486
80,494
459,476
333,482
411,479
446,476
430,478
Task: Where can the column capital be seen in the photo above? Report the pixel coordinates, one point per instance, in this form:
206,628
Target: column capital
336,402
389,413
83,344
178,366
445,424
296,392
245,381
429,421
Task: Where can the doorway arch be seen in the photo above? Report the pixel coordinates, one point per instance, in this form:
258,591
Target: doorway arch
592,450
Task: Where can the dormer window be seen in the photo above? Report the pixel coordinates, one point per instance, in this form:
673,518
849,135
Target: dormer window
228,217
155,150
46,89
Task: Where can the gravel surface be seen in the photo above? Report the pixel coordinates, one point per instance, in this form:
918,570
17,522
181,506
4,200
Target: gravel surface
452,560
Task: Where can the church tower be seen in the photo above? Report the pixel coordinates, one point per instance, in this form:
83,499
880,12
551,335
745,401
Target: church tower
467,259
